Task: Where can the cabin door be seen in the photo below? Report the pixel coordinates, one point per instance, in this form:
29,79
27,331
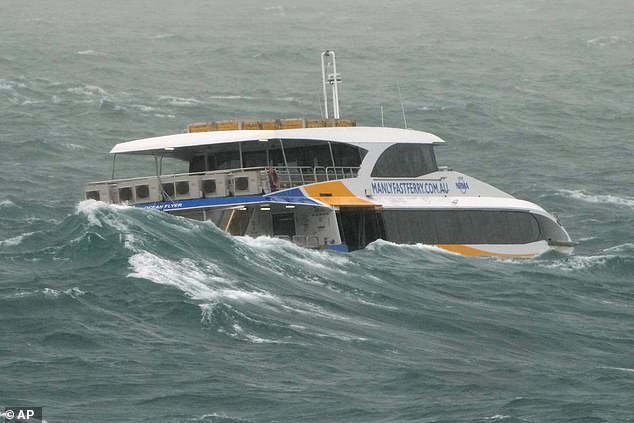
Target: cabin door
359,226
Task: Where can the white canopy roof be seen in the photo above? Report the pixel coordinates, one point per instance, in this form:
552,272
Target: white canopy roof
358,135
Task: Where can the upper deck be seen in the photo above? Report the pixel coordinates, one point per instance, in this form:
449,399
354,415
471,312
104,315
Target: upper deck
253,161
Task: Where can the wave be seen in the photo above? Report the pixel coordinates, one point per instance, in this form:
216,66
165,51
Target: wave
233,97
497,417
201,281
155,111
169,37
598,199
12,242
622,248
88,90
90,53
71,146
179,101
11,85
7,203
213,269
620,369
109,105
96,214
49,293
580,263
607,40
614,260
144,108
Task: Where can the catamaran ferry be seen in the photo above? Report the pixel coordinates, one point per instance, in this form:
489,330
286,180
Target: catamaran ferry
328,183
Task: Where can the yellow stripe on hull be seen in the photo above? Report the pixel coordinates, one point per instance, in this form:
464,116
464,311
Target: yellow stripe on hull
335,194
476,252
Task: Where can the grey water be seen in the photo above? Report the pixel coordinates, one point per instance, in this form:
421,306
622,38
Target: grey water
110,313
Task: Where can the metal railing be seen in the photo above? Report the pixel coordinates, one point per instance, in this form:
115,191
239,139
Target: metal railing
293,176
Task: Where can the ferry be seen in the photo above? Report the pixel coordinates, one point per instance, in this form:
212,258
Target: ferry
329,184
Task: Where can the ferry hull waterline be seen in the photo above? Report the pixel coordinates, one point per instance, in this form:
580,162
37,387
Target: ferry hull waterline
328,183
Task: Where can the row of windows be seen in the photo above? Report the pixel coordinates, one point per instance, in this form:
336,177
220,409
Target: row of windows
262,154
464,227
397,161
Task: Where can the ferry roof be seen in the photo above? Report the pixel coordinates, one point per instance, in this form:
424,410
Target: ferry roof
358,135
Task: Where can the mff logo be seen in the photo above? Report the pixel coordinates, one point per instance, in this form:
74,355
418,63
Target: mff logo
462,185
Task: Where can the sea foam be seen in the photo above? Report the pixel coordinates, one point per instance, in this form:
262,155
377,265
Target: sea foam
599,199
199,281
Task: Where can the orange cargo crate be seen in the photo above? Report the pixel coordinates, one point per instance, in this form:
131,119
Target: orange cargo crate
315,123
227,125
251,124
199,127
291,123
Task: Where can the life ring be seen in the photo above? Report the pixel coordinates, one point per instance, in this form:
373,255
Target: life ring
274,179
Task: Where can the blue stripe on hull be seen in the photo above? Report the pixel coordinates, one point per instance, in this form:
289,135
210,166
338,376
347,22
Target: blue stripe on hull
292,196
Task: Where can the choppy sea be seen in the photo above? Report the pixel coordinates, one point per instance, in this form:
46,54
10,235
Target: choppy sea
113,314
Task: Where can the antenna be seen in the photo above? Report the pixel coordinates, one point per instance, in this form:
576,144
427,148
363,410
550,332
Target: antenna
333,79
400,99
382,120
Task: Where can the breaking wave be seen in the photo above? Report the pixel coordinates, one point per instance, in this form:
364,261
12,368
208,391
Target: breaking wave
179,101
599,199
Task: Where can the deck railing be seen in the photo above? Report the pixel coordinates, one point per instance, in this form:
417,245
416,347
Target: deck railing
293,176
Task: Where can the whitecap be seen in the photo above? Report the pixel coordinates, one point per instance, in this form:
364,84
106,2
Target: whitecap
621,369
607,40
107,104
577,263
90,53
599,199
199,281
164,36
272,243
268,243
71,146
340,337
51,293
20,294
12,242
30,102
7,203
74,292
10,85
232,97
178,101
88,208
88,90
620,248
372,304
91,209
144,108
497,417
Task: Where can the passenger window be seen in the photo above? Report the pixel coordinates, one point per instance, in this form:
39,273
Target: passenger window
197,164
460,227
406,161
